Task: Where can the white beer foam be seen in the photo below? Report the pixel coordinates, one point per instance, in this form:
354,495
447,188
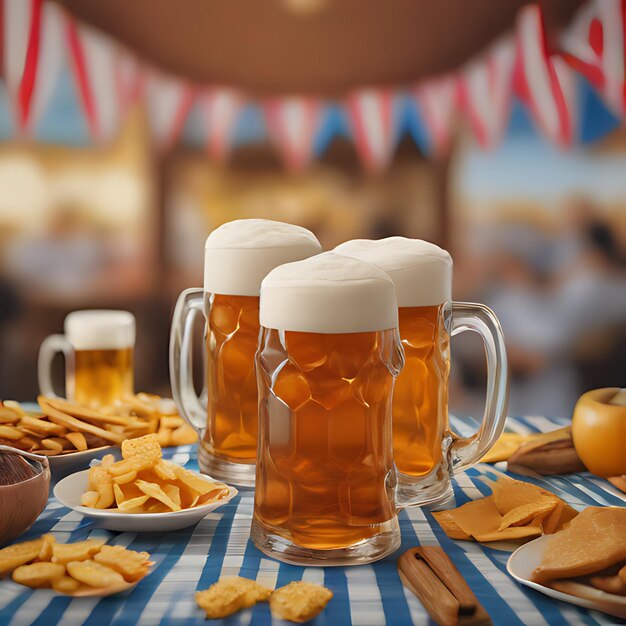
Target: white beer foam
328,293
100,329
239,254
420,270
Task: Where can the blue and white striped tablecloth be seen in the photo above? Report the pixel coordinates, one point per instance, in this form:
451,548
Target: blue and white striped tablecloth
368,595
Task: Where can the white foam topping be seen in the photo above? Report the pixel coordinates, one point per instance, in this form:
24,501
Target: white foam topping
100,329
420,270
328,293
239,254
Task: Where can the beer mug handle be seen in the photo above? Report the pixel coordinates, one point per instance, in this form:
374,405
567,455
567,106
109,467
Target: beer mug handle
50,347
190,303
466,316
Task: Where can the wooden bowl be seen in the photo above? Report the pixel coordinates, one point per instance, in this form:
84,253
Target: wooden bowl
22,502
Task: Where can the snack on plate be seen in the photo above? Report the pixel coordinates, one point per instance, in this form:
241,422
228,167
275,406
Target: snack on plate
299,601
78,551
62,427
231,594
615,583
592,542
21,553
73,567
514,510
142,482
162,415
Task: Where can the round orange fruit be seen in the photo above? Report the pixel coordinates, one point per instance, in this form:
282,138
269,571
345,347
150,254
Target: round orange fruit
599,431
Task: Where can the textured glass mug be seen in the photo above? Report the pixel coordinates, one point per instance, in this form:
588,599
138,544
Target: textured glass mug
98,347
238,255
325,486
426,451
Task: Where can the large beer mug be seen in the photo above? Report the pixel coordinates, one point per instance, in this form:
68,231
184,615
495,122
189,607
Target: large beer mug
237,257
426,451
98,348
328,356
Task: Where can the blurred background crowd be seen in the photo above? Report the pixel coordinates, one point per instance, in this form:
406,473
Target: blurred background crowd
537,233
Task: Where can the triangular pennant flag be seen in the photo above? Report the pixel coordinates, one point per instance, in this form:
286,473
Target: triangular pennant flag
595,45
371,114
128,78
169,101
437,102
222,107
485,89
92,59
33,56
292,123
543,81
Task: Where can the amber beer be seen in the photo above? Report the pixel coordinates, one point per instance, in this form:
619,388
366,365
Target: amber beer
231,341
325,476
426,452
98,347
103,376
420,400
238,255
329,453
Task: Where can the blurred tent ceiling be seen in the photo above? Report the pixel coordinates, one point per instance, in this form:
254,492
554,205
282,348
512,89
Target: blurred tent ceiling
321,47
301,72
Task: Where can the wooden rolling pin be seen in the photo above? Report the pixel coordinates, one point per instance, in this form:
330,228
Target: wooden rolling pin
429,574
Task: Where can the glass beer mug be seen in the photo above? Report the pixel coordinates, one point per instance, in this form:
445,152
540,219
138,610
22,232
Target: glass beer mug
426,451
98,347
328,356
237,256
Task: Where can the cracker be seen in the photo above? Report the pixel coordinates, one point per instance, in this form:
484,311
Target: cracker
38,574
94,574
229,595
299,601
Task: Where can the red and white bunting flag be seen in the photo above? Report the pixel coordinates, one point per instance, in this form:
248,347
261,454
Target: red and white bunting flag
128,78
169,101
437,100
371,114
292,124
221,106
33,56
486,89
92,59
595,45
543,81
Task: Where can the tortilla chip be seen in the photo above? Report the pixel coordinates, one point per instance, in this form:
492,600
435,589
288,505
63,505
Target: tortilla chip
508,443
515,510
526,513
592,541
450,527
508,534
560,516
481,519
509,494
504,447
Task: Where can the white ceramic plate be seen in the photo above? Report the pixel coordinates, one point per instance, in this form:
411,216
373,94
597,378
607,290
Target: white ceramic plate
69,490
523,562
63,464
